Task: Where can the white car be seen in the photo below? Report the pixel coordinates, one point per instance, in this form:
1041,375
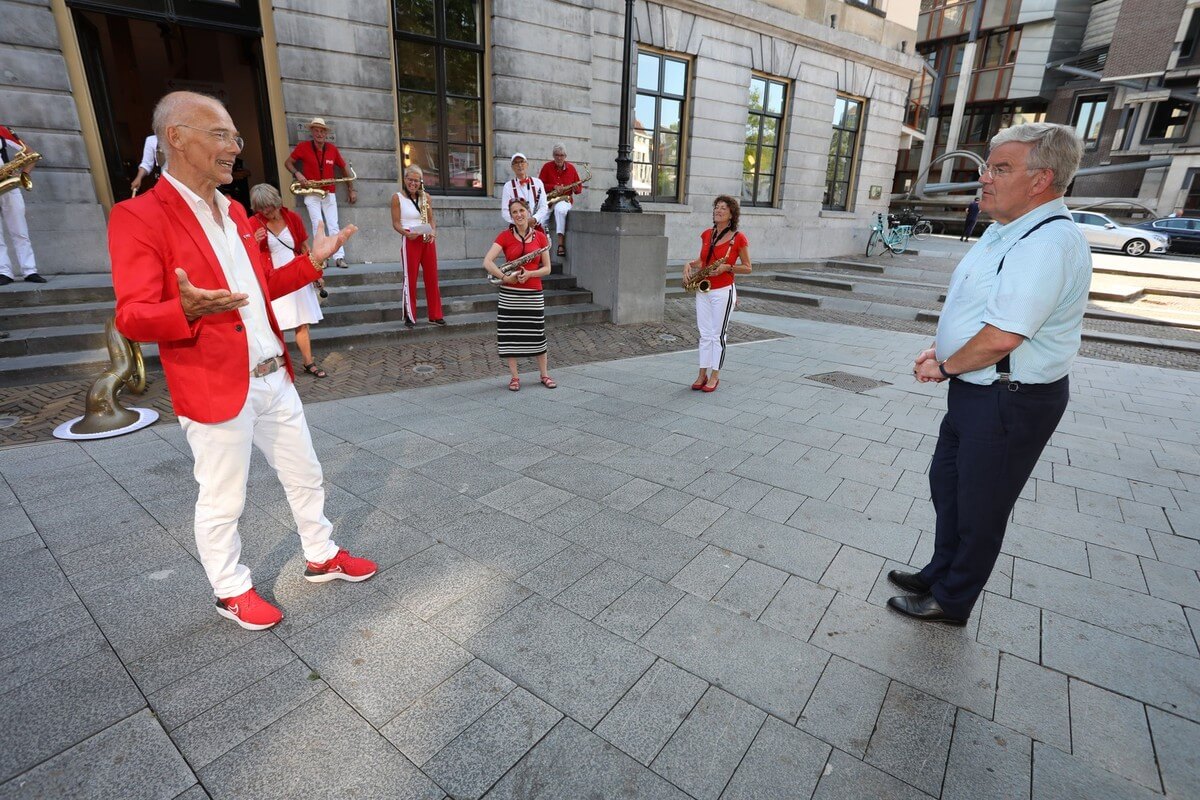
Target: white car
1102,232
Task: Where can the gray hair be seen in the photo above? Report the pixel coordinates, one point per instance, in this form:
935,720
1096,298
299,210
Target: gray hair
264,195
167,112
559,148
1055,147
413,168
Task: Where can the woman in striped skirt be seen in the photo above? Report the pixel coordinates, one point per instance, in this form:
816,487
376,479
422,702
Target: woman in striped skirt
521,309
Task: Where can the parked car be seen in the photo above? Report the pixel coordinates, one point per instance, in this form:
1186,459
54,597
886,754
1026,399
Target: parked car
1102,232
1184,232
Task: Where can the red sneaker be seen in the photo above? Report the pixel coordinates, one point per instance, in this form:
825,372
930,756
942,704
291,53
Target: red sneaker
343,566
250,611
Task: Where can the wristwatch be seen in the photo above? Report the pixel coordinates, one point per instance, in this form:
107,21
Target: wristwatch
945,374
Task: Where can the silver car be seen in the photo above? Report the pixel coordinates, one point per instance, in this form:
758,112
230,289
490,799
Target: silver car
1101,232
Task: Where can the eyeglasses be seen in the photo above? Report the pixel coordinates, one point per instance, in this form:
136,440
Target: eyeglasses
1000,172
224,136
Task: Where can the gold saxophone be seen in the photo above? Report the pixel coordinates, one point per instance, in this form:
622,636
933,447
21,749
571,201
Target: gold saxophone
423,207
517,264
699,281
313,188
561,193
13,173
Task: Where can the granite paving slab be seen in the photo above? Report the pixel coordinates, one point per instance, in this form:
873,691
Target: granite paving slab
703,753
751,589
469,765
636,611
847,778
845,705
708,572
650,713
636,543
782,762
56,711
479,608
1035,701
759,664
781,546
574,762
349,758
1117,663
378,657
1112,732
1177,745
575,665
435,720
133,758
432,580
912,737
595,591
939,661
883,538
1058,776
49,655
987,760
504,543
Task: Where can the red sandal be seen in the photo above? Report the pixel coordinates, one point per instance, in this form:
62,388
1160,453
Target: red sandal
548,382
514,385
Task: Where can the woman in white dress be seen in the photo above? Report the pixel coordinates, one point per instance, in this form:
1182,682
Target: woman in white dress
280,232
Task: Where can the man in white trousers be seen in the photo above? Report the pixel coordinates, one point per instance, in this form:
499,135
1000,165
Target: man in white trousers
314,161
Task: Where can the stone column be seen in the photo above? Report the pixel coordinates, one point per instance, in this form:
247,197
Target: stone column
622,260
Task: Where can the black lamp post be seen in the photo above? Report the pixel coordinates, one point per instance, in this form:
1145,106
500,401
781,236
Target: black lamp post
623,197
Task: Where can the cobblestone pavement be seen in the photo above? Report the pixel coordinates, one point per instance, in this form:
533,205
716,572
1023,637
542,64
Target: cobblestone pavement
619,589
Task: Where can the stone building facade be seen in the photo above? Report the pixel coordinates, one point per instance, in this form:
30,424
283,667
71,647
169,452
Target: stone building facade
548,71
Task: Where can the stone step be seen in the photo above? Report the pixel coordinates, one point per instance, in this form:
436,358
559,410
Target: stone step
86,336
85,363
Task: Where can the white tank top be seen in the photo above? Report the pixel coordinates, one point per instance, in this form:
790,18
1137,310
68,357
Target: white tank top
282,247
409,214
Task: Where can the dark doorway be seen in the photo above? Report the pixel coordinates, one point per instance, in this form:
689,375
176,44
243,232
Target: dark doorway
132,61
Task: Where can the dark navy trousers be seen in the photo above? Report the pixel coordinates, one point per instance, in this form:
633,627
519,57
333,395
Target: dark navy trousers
989,442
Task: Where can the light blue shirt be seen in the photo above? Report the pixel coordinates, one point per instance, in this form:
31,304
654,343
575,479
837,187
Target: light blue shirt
1041,295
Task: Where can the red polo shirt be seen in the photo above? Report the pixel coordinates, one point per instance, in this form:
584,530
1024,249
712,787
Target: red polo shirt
552,177
317,162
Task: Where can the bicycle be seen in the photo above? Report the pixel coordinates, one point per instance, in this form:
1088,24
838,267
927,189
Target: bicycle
921,228
882,237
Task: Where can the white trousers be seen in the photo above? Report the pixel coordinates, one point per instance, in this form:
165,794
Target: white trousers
326,207
12,209
560,211
273,421
712,319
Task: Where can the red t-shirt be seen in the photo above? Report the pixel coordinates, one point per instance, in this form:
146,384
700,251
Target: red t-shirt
733,247
317,162
552,178
514,248
295,226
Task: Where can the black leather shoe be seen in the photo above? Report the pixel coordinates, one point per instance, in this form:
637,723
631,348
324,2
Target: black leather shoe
908,581
33,277
5,280
923,607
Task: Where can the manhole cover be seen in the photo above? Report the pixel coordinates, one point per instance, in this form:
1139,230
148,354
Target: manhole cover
8,422
844,380
424,369
667,337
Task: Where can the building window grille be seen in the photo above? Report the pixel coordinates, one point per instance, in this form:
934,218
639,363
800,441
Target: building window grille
764,138
1168,121
1088,118
843,153
439,92
660,116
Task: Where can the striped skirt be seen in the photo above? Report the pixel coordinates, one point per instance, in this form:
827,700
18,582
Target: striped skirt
521,322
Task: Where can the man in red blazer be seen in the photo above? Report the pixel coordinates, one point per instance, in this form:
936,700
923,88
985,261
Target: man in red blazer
189,275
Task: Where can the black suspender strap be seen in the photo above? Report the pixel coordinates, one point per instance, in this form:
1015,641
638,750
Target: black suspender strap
1004,365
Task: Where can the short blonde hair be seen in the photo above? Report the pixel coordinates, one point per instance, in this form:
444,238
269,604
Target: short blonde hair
264,195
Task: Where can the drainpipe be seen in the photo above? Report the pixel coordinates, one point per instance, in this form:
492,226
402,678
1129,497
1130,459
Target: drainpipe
964,87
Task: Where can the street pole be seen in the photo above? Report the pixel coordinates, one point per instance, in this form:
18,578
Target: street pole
623,197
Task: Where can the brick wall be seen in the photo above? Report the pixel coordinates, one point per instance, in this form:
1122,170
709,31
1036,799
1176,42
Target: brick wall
1144,37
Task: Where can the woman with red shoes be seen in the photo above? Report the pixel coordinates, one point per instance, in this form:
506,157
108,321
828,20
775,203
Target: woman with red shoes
713,307
412,213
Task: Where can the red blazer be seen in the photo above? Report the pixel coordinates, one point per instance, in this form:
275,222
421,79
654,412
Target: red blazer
206,362
295,226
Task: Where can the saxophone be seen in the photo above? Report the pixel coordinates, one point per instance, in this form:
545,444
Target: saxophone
561,193
13,173
699,282
517,264
313,187
423,207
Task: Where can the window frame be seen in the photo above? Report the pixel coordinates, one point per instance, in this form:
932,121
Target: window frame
855,156
1187,125
441,94
1090,98
780,136
685,107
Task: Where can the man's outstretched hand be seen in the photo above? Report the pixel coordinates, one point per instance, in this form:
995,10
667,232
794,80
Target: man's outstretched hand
325,246
201,302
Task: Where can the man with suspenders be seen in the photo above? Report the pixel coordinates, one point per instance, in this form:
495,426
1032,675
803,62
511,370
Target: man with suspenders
314,161
1009,330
